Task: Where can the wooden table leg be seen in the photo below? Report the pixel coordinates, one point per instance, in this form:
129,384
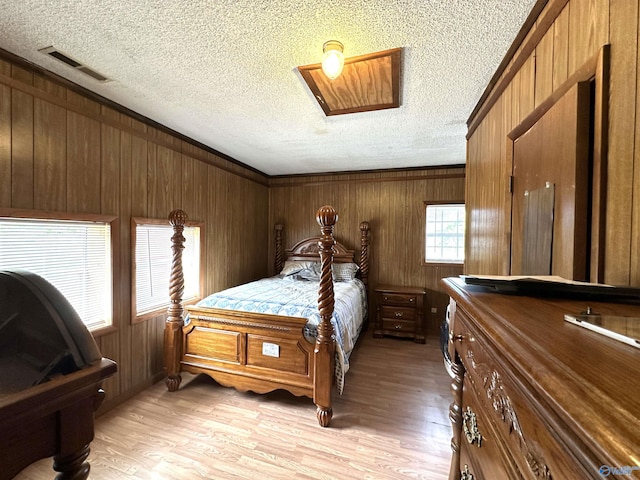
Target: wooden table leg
73,466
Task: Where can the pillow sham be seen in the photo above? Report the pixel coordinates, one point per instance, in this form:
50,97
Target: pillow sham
344,272
312,272
294,266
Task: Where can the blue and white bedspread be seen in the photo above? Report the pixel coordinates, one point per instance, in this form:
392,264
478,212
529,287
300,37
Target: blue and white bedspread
293,297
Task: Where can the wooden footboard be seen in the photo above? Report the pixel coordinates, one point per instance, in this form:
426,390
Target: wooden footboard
256,352
260,352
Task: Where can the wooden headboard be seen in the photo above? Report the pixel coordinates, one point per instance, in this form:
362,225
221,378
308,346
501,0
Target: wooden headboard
308,249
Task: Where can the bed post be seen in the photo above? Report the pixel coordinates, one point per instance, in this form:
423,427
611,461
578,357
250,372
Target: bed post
325,342
175,321
364,254
278,262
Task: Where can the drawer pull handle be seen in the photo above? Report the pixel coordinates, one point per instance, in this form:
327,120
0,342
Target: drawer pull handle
411,300
398,326
470,425
453,338
398,314
466,474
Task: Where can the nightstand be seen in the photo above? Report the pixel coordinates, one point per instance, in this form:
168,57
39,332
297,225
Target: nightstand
400,312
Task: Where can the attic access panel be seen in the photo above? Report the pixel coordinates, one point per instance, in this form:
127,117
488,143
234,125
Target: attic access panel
368,82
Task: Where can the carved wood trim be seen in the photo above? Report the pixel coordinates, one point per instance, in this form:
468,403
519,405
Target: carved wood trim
364,254
325,341
497,394
175,320
309,249
278,255
455,416
225,321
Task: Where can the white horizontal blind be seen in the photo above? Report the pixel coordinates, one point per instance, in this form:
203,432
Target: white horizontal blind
444,237
153,265
74,256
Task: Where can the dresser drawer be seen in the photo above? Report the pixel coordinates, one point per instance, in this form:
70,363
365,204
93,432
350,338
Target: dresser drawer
481,446
399,299
525,424
398,326
398,313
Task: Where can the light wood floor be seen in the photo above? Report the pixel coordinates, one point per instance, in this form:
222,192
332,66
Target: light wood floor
391,423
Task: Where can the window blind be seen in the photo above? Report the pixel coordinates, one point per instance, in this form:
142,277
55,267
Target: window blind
74,256
153,258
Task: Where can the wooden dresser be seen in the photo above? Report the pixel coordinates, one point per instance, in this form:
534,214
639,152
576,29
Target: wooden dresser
400,312
536,397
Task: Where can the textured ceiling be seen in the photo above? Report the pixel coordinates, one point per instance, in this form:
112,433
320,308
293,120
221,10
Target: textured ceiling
223,72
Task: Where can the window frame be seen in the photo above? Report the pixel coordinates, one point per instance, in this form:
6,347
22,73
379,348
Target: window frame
144,316
426,204
112,220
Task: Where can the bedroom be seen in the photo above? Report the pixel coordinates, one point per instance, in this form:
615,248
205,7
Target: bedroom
144,170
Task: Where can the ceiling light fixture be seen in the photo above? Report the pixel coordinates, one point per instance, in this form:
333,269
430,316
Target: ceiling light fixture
332,58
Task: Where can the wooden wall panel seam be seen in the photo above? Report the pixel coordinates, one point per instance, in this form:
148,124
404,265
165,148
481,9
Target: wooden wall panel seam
484,106
100,117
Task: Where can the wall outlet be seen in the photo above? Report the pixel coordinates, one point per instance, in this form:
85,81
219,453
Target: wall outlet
434,310
270,349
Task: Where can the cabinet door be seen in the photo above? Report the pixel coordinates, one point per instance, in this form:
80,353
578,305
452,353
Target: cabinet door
551,190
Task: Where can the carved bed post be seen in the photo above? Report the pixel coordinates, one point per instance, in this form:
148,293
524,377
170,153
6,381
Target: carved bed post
175,320
278,255
325,342
364,254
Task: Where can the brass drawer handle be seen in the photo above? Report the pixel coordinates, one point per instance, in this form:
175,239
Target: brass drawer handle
470,425
453,338
411,300
398,326
398,314
466,475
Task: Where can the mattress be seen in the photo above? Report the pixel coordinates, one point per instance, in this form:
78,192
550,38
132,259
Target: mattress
295,297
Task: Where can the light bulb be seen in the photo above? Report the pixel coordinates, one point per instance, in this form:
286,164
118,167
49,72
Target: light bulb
332,59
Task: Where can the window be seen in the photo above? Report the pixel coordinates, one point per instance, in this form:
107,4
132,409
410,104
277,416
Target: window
73,255
444,233
152,267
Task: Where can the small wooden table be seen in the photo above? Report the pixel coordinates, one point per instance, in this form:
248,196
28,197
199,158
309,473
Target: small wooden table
53,419
400,312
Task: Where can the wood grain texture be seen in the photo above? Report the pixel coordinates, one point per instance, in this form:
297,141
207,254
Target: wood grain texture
623,125
207,431
67,153
562,399
393,203
50,157
5,147
22,181
367,82
580,29
83,163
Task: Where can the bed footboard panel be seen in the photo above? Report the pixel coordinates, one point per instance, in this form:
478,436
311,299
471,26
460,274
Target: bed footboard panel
249,352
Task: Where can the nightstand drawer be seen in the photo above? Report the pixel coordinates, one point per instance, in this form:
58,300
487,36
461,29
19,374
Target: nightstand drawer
404,326
398,313
399,299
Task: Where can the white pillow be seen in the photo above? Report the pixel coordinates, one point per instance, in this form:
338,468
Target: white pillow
344,272
294,266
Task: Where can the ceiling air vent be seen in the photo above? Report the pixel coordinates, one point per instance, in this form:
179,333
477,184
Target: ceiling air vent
63,57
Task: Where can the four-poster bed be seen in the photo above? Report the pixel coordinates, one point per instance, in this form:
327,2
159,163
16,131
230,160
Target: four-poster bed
263,352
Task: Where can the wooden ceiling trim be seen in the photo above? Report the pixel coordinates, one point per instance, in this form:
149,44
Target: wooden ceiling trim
367,83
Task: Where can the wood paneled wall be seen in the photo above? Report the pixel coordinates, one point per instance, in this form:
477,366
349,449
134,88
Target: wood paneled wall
565,35
392,202
62,151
